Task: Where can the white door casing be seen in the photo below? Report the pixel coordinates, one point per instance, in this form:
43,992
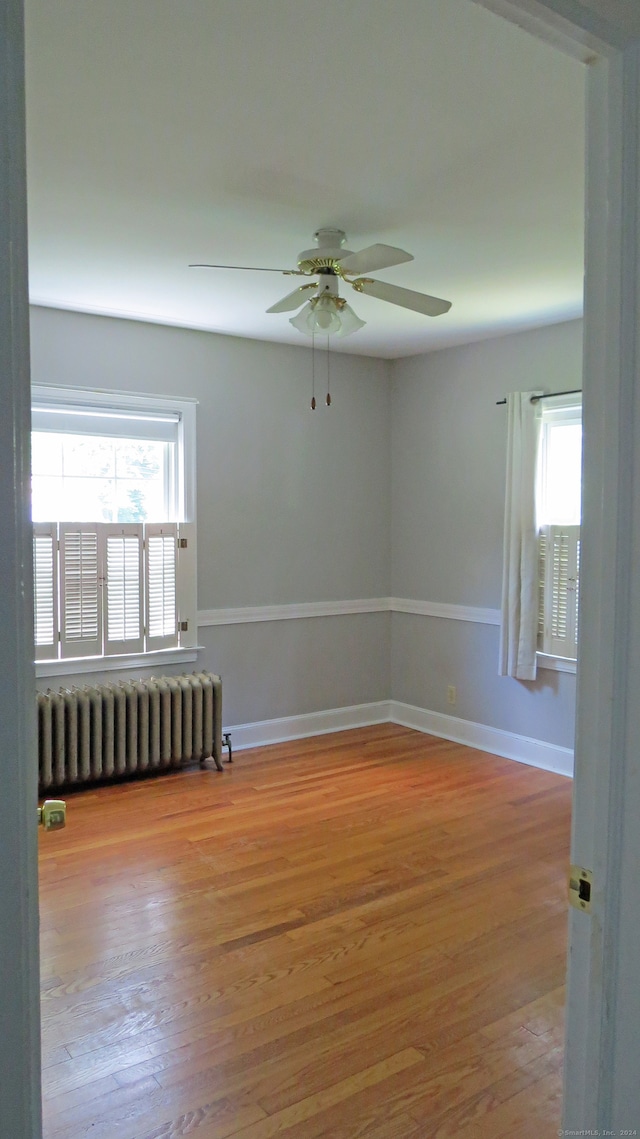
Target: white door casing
19,965
603,1007
603,1014
602,1091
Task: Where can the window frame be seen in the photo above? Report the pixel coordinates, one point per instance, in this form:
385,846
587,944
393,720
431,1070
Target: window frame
566,409
60,397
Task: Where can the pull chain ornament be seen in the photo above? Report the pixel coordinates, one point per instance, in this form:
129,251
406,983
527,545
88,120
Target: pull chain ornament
313,373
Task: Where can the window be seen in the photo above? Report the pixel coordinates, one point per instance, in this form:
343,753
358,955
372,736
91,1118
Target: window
113,497
558,508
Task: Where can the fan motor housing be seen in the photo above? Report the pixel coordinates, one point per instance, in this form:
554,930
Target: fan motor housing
326,258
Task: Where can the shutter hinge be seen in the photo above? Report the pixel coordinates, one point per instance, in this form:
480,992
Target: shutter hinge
184,626
183,543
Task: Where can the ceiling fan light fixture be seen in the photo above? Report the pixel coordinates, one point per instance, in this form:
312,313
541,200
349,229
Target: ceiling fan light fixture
327,315
350,321
324,315
300,321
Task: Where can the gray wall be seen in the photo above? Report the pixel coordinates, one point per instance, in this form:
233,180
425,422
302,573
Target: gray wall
447,507
285,668
292,505
396,490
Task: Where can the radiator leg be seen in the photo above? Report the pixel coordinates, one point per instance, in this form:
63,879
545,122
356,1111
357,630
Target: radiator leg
203,762
226,742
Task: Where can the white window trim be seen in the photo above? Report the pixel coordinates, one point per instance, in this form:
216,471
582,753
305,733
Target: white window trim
63,395
565,409
556,664
135,401
74,666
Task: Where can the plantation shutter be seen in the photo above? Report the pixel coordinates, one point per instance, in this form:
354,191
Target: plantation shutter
542,568
560,586
112,589
187,584
45,590
161,585
123,619
80,589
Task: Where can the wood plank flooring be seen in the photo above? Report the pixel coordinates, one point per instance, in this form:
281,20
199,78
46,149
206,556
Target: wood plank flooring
360,934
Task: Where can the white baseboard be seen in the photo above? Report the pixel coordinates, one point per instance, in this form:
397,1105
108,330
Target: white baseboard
536,753
310,724
524,749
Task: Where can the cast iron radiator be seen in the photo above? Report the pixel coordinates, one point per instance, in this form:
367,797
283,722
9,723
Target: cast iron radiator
95,733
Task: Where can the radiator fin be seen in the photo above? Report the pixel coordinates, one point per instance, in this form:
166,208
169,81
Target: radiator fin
95,733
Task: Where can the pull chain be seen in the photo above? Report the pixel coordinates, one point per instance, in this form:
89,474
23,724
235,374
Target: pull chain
328,374
313,371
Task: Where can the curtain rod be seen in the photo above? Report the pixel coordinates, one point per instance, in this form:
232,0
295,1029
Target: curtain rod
552,395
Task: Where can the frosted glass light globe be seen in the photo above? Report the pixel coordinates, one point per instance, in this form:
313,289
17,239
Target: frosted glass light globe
323,316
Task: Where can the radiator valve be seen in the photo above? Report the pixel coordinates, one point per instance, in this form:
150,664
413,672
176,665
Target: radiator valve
52,815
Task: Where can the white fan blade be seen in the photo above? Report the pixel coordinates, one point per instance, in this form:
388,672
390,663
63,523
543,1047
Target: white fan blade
374,257
292,300
406,298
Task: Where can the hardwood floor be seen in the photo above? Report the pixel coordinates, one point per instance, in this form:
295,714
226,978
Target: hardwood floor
360,934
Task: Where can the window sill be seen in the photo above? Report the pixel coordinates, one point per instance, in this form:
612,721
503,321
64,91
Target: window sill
556,664
85,665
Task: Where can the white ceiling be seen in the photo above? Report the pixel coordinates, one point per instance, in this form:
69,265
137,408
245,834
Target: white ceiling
161,133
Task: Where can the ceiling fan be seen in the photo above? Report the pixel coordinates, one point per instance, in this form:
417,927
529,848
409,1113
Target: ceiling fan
325,311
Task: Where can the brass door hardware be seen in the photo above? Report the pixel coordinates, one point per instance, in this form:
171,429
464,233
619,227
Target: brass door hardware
580,888
52,815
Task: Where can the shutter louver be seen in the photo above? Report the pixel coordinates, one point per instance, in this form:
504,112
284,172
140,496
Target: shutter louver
542,569
559,579
93,597
161,566
561,590
123,599
45,590
81,603
577,597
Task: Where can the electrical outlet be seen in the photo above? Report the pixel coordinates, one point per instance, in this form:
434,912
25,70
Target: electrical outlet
452,694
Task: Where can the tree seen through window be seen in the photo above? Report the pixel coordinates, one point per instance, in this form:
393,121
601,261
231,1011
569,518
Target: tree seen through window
99,479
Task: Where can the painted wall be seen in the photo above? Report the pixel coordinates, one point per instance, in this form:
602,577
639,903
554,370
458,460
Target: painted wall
448,445
292,505
396,490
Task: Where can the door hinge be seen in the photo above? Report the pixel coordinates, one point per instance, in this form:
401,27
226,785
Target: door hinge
580,888
183,543
184,626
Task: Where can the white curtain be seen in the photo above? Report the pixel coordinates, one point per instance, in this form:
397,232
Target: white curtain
519,626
